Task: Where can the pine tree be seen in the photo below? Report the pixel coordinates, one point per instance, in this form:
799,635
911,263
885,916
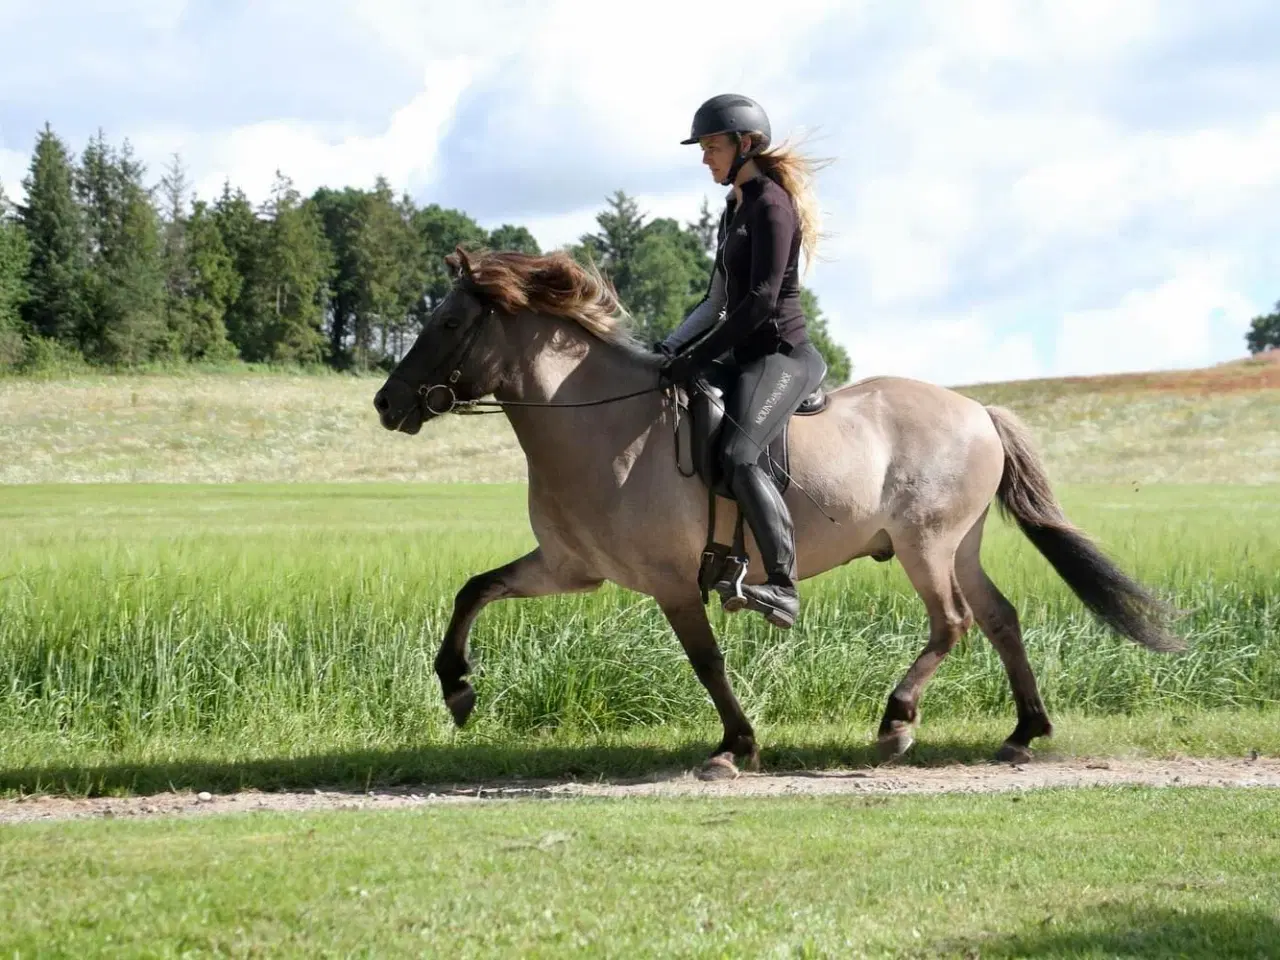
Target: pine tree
125,283
56,305
293,279
15,258
614,248
243,236
175,257
384,251
338,210
212,285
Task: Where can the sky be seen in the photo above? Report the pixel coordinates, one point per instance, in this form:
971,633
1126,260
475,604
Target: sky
1018,189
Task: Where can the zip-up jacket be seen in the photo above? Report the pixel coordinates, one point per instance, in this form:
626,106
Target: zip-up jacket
755,282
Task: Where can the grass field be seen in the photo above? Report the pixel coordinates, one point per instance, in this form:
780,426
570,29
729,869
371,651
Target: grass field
1098,873
198,624
153,626
1210,426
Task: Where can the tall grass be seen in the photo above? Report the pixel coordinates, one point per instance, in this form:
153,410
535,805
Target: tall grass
270,616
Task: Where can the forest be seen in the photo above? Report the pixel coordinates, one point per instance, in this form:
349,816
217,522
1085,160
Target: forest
101,266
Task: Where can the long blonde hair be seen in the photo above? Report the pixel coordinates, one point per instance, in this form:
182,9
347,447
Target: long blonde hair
793,171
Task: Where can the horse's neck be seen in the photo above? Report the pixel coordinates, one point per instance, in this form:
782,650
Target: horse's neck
561,363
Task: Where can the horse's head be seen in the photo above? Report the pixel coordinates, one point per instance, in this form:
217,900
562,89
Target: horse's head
454,357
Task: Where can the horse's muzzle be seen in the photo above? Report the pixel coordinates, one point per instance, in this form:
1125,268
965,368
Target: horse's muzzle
398,408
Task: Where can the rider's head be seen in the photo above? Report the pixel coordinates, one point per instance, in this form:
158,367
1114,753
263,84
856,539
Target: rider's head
734,130
731,129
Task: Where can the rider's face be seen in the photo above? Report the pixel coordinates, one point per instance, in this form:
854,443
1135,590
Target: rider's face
718,153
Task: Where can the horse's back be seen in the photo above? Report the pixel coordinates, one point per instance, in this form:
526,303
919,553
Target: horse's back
901,445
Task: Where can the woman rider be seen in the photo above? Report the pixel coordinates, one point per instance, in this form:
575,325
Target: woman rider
750,324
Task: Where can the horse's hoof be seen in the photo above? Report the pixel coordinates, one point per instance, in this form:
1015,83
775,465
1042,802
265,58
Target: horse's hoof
890,746
719,767
1010,752
461,703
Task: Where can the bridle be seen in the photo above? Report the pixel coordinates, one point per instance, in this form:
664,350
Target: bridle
457,359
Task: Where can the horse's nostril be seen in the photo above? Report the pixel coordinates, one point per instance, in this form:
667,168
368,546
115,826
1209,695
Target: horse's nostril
380,402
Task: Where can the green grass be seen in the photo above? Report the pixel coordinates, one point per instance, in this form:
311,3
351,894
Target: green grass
154,626
1104,872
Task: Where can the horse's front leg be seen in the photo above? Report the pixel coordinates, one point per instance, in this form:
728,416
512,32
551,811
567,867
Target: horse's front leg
688,618
528,576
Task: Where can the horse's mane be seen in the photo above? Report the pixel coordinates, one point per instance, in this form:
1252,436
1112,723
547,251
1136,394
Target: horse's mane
553,284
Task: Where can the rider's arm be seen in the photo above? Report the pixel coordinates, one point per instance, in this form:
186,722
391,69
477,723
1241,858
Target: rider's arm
773,227
701,319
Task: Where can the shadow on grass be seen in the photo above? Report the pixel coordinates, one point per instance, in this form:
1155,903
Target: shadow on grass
451,767
1137,931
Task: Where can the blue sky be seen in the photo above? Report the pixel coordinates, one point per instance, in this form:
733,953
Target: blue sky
1020,189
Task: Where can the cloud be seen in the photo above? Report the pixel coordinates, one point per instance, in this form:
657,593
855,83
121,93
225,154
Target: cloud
1178,323
315,155
13,167
950,350
1011,178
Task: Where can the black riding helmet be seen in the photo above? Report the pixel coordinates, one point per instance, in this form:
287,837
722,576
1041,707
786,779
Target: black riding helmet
734,114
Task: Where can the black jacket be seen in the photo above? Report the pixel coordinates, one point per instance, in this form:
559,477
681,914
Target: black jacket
758,249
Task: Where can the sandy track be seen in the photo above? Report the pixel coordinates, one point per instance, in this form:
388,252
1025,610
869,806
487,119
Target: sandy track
954,778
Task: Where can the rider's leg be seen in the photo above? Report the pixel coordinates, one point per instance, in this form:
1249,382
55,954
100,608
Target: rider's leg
765,395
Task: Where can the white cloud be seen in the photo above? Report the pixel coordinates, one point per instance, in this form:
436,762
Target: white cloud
1101,183
1010,174
562,228
315,155
950,350
1174,324
13,167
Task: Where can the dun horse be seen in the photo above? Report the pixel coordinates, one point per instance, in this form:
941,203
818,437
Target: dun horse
905,468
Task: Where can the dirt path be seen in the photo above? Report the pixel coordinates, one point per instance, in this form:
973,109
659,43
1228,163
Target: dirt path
954,778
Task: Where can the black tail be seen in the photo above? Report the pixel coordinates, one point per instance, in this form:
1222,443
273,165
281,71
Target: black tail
1116,599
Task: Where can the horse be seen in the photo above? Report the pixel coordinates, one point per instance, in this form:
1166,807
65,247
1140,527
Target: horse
905,468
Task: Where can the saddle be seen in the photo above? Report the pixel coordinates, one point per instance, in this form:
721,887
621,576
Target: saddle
706,417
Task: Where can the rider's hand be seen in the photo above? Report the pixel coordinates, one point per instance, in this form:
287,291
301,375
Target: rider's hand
677,369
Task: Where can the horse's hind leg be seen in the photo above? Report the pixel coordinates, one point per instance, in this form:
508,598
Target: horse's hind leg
998,619
527,576
929,564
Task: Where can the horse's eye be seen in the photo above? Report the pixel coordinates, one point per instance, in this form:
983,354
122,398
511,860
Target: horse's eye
452,323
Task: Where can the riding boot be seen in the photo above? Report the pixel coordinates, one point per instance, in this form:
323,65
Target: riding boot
767,515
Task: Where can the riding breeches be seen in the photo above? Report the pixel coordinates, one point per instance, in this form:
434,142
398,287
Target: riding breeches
760,399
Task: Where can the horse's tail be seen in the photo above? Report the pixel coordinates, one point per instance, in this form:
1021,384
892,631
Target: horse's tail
1117,600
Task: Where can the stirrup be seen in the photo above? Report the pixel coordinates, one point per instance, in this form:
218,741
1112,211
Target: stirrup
735,599
777,616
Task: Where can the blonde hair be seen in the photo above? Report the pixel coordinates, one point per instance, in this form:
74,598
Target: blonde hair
793,171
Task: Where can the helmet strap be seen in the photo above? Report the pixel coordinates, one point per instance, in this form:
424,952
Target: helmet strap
738,162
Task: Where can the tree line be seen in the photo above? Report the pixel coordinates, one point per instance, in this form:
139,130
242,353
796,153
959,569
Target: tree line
98,266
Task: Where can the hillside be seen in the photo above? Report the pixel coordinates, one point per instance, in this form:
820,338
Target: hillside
1211,425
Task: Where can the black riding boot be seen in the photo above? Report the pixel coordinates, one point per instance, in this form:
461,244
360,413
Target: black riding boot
766,513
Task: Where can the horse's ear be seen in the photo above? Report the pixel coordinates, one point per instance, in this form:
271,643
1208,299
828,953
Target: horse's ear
459,263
